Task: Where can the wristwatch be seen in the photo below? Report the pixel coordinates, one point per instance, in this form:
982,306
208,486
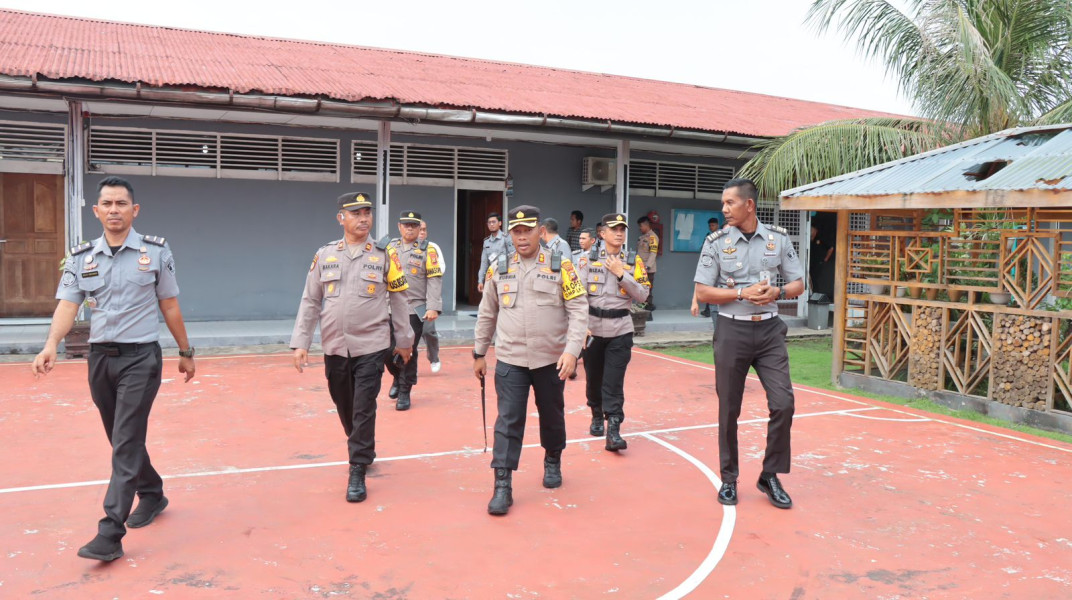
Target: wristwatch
739,290
781,293
187,353
476,356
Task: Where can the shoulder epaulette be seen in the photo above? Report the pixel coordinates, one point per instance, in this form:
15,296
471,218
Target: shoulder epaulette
153,239
383,243
630,259
556,262
80,248
714,235
423,244
781,230
504,263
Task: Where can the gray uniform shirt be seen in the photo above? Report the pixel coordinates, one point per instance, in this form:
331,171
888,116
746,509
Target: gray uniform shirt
123,291
606,292
559,245
423,274
349,295
494,245
535,313
729,260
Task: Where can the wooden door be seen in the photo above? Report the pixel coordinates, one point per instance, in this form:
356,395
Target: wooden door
478,205
31,223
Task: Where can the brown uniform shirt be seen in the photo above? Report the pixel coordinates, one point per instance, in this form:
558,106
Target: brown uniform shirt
348,295
606,292
536,313
423,274
648,249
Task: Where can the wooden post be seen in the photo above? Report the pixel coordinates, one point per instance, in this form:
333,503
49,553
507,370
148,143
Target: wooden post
841,290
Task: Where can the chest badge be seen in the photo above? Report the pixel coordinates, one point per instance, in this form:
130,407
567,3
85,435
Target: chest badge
89,266
771,246
506,300
506,287
374,259
413,270
91,302
144,259
331,259
371,288
729,250
592,288
89,258
739,265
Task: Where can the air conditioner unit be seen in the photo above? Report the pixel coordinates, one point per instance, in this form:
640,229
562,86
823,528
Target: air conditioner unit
598,171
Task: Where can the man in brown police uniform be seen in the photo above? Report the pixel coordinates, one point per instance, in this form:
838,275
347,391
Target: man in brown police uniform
648,251
535,304
349,286
613,279
425,297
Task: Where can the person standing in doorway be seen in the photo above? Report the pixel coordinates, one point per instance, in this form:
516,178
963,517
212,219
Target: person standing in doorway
429,333
535,305
349,287
425,297
123,277
614,279
648,251
576,227
494,245
735,271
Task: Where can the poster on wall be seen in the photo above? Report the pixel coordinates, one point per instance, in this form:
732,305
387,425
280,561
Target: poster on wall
689,228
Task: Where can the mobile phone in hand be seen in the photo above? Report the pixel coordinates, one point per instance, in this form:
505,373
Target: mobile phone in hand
764,277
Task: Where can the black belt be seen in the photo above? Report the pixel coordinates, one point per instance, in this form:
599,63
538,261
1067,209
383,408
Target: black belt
117,349
608,313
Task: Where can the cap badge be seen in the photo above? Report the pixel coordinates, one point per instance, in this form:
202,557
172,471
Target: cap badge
520,215
410,215
621,218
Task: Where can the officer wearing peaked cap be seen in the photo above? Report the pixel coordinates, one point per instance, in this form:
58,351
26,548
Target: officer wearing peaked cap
535,304
735,271
350,287
425,297
614,279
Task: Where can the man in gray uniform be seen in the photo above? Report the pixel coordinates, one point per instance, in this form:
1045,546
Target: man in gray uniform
496,244
552,241
735,271
348,289
122,277
425,296
614,280
536,306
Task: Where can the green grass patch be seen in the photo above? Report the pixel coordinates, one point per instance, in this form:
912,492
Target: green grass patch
809,364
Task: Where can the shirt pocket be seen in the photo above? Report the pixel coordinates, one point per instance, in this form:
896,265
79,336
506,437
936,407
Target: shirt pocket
735,268
548,293
90,284
370,284
329,279
143,278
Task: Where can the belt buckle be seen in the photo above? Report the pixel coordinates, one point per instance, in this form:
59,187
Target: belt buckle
757,317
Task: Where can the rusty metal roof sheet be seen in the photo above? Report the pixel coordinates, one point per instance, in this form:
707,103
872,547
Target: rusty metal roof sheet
56,47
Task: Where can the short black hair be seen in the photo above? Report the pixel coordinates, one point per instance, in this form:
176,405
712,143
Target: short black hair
746,187
496,215
578,214
550,224
643,219
589,231
113,181
712,220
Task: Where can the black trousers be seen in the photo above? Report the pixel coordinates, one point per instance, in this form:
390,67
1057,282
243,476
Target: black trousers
123,381
431,341
738,346
354,383
512,388
604,366
407,375
650,302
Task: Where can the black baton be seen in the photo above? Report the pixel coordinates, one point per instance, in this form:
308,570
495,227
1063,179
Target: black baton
484,412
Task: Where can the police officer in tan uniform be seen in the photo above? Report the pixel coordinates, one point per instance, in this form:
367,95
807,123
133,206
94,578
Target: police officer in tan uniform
535,304
348,289
648,251
425,296
613,279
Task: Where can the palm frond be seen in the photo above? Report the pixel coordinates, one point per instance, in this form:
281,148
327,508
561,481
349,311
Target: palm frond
1059,115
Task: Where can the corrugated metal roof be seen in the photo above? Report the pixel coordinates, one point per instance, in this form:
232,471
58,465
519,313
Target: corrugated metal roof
68,47
1039,158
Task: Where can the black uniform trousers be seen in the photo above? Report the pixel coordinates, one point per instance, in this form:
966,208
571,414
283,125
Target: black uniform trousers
738,346
604,366
407,374
650,301
123,381
512,388
354,383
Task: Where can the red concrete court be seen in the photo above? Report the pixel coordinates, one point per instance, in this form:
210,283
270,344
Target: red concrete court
889,503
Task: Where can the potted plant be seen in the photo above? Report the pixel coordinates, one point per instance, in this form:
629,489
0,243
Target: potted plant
871,265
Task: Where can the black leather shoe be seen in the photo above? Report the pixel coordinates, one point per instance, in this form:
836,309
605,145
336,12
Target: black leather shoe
355,488
148,509
614,438
393,392
727,494
403,401
552,469
503,498
770,486
102,548
597,422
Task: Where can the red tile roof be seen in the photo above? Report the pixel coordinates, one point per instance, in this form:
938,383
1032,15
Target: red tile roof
58,47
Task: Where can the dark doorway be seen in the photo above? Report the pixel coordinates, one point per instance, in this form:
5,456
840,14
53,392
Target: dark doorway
822,252
474,206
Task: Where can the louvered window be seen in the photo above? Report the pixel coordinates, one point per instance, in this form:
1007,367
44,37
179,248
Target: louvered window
420,164
677,180
127,151
32,147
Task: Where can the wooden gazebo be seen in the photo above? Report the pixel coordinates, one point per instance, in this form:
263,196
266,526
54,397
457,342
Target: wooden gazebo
954,274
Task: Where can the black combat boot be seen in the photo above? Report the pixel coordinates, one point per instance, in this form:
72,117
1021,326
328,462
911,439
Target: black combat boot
504,495
614,437
552,469
403,400
597,422
355,489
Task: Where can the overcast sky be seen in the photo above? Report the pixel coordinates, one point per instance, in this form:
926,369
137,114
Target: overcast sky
751,45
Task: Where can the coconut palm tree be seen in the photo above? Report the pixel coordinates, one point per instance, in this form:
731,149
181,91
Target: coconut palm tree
970,67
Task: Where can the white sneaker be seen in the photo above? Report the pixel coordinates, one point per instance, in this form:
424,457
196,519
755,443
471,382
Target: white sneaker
436,366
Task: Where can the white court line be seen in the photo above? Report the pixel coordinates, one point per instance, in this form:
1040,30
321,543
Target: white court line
915,420
854,401
725,530
236,471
